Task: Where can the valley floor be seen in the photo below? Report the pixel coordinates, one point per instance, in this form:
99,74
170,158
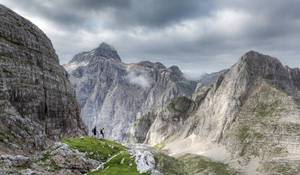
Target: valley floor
87,155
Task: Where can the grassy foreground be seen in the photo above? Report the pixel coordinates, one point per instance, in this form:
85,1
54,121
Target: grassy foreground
190,165
118,161
102,150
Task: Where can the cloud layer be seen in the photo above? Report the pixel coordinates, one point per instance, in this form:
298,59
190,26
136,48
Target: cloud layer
198,36
138,77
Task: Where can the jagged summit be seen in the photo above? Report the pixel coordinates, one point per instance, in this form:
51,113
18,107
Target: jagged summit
254,57
105,46
103,51
256,66
107,51
260,65
150,64
176,70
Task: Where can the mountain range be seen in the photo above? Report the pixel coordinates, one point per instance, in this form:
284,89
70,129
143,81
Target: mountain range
121,97
250,111
241,120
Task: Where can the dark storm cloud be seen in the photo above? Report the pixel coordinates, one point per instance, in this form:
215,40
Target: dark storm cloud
150,13
56,11
158,13
199,36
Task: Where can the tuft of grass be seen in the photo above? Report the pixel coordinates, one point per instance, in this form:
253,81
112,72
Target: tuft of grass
3,136
159,146
243,133
46,156
53,167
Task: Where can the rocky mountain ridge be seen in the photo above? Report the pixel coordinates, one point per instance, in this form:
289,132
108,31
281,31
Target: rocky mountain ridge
251,112
119,96
257,90
246,116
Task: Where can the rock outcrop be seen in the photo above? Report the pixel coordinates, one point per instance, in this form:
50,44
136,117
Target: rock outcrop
37,101
57,159
119,97
252,109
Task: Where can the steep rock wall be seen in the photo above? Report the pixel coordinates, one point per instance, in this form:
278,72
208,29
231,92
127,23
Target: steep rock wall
37,95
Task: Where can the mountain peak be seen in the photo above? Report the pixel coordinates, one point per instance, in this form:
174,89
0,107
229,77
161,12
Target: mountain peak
103,51
257,60
257,65
105,46
254,56
107,51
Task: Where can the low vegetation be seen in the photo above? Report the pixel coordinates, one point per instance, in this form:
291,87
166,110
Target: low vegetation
256,121
123,163
281,168
190,165
101,149
169,165
193,164
159,146
117,159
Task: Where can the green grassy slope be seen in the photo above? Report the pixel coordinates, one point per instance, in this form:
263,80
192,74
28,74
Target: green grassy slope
101,149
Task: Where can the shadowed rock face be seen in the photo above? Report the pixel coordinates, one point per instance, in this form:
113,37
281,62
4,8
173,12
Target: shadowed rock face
119,96
37,101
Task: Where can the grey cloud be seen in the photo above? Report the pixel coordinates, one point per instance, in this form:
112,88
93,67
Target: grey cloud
125,13
162,30
158,13
138,77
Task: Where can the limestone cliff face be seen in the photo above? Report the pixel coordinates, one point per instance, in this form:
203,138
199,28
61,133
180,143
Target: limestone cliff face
37,100
119,96
252,110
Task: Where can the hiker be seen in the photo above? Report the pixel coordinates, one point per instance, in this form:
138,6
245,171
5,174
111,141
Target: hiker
94,131
102,132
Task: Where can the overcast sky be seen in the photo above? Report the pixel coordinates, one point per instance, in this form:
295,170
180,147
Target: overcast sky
197,35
